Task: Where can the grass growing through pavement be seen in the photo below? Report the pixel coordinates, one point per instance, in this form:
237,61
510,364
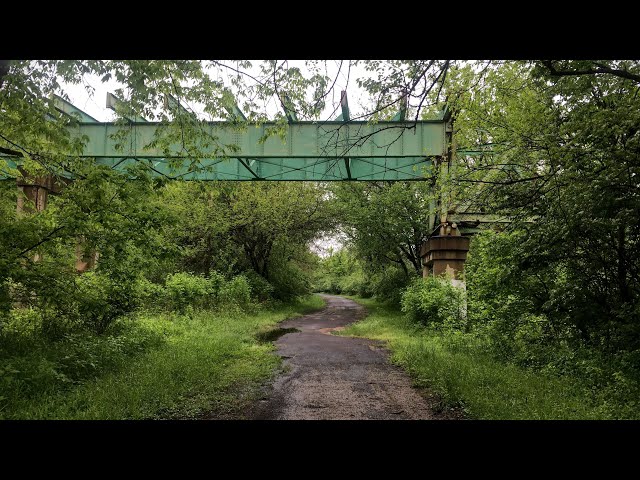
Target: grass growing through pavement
205,365
464,376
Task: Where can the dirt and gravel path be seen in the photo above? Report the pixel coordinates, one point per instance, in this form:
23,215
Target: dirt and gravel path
330,377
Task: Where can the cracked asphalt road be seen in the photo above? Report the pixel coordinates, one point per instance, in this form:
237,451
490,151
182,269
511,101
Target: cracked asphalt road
328,377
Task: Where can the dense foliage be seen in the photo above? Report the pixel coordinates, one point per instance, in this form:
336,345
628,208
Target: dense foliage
550,147
343,272
434,302
162,249
153,245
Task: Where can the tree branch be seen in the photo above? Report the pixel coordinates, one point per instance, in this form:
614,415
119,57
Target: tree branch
48,237
591,71
13,153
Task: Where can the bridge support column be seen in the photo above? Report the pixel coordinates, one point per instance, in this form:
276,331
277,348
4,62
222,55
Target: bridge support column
445,254
34,196
35,189
85,259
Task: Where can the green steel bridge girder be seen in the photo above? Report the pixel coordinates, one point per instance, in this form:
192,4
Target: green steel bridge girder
309,151
71,110
291,169
322,151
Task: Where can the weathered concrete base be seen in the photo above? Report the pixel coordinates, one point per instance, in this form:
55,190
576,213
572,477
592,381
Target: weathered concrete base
444,255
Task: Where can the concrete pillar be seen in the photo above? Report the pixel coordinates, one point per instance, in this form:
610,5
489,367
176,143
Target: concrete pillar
85,259
33,195
445,254
36,190
33,198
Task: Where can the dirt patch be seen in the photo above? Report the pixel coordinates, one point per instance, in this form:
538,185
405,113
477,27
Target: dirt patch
327,331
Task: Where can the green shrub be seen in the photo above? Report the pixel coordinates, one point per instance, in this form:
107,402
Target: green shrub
523,315
21,321
327,283
236,291
341,272
350,284
288,280
185,289
150,294
261,289
345,272
101,299
357,283
46,367
434,302
20,330
530,342
216,282
389,284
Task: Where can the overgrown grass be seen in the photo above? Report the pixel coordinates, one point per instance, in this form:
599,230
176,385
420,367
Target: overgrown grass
464,376
203,364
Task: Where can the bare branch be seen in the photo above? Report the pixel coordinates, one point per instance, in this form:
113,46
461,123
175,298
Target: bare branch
49,236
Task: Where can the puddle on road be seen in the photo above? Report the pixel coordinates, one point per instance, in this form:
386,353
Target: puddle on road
274,334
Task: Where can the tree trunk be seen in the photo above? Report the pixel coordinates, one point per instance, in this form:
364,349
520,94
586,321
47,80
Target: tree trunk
404,267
